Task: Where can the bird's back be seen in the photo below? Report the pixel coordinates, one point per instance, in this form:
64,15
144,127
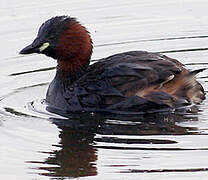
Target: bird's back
136,81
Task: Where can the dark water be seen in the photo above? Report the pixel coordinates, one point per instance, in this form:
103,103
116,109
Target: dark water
38,145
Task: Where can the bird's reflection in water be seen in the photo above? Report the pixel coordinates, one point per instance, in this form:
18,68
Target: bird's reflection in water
78,145
154,124
77,156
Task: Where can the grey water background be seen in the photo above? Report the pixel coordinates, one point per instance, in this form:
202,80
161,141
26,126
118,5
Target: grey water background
38,145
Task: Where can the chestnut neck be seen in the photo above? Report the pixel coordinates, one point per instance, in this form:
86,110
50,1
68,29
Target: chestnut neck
73,51
71,71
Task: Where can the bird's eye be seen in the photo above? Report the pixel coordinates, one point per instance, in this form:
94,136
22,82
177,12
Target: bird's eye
51,38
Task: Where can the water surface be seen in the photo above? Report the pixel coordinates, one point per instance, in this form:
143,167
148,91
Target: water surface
38,145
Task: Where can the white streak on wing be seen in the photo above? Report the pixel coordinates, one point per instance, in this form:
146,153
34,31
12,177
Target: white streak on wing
167,80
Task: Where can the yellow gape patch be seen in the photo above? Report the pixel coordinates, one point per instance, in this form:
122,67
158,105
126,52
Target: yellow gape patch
44,46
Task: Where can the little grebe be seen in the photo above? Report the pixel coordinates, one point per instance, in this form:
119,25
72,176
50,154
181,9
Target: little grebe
135,81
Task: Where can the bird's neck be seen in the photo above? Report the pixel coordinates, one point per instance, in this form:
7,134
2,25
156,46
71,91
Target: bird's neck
71,70
76,59
73,50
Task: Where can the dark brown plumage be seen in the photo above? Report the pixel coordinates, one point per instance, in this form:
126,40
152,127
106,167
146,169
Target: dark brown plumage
135,81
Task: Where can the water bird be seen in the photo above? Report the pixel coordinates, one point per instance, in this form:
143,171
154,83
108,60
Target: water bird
132,82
